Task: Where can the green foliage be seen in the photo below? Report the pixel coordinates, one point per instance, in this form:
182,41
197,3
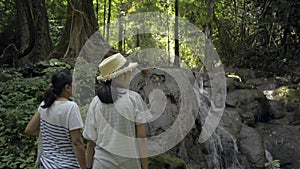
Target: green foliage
258,34
55,65
166,161
250,34
287,93
56,11
7,12
274,164
19,100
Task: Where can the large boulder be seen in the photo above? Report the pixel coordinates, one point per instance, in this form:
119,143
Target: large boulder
265,83
251,102
284,113
277,109
172,103
282,141
252,146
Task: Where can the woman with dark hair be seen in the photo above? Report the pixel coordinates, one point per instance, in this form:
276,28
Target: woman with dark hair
58,121
115,122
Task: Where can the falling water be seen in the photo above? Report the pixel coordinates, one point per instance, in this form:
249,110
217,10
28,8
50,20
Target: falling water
221,148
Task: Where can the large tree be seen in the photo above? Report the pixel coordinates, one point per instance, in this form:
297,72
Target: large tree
80,25
32,41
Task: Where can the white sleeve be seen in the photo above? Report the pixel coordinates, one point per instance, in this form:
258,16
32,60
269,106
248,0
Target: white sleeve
75,120
40,106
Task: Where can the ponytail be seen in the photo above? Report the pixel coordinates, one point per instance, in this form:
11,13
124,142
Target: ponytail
107,94
49,97
58,81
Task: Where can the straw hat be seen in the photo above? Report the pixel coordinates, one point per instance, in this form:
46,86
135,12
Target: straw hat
114,66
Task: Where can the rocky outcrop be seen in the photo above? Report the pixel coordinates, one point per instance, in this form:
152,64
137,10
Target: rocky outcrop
251,144
282,141
252,102
250,126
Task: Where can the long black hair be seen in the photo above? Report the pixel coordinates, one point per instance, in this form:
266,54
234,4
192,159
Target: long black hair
58,81
106,93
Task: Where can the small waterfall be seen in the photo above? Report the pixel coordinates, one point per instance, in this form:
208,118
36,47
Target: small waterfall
223,152
221,149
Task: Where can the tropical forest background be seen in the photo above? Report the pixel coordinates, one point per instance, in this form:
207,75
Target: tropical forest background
38,37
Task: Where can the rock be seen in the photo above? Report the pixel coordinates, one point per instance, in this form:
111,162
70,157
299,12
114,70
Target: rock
233,144
282,141
243,73
231,121
235,83
277,109
251,144
269,83
166,161
292,106
231,84
250,101
293,118
158,86
248,118
190,150
222,151
282,121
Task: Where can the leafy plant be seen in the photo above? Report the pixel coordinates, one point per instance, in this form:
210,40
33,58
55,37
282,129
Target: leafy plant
274,164
19,99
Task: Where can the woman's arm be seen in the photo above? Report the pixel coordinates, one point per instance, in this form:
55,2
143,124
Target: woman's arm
78,147
33,127
142,143
90,150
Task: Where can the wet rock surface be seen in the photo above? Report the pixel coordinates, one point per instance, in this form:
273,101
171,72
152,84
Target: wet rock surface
250,124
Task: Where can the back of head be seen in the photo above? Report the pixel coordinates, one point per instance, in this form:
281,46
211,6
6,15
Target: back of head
112,68
58,81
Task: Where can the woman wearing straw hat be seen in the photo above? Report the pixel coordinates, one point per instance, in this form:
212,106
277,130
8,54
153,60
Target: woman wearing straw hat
115,120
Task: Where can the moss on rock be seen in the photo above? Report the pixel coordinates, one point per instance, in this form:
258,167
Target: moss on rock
165,161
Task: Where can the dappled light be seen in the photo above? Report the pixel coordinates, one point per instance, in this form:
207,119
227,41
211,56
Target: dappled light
222,78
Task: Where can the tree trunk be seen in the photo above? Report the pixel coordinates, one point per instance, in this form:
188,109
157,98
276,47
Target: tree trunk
43,43
108,20
137,39
209,64
25,26
80,25
33,41
124,41
176,59
121,29
104,18
97,10
168,40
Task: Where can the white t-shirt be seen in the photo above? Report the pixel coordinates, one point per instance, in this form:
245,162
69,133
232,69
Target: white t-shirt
56,122
112,128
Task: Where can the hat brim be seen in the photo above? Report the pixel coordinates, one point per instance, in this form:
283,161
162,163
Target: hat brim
117,73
